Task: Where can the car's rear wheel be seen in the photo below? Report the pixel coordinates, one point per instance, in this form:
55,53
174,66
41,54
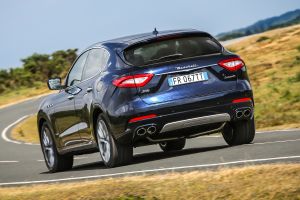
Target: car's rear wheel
112,153
174,145
54,161
240,132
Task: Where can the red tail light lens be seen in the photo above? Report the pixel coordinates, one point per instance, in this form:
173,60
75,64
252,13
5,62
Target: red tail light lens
142,118
232,64
241,100
139,80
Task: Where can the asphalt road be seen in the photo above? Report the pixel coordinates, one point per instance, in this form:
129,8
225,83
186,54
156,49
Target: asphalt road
23,163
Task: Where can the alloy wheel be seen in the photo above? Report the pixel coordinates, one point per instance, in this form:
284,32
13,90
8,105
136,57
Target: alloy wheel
103,141
48,147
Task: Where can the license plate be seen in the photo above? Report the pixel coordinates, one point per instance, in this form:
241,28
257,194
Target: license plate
189,78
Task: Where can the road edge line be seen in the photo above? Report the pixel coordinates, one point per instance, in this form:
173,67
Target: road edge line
4,132
142,172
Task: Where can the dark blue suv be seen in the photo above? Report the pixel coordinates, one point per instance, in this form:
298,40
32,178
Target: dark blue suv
153,88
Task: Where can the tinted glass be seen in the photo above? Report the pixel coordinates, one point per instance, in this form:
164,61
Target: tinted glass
171,49
96,62
75,74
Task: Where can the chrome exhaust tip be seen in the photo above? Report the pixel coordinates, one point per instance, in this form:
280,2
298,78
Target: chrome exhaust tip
151,129
247,113
239,114
141,131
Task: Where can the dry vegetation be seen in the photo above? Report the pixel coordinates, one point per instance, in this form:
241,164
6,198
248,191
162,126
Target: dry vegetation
273,61
26,130
279,181
21,94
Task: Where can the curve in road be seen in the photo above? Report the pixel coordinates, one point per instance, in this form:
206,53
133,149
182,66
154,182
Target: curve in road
23,164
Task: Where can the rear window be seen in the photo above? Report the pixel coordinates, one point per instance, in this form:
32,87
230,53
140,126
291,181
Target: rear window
171,49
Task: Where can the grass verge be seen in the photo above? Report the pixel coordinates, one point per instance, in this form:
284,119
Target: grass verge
21,94
26,130
280,181
273,63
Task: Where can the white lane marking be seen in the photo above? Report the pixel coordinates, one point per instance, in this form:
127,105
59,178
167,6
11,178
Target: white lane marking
8,161
28,143
258,132
283,130
153,170
4,136
273,142
4,132
76,158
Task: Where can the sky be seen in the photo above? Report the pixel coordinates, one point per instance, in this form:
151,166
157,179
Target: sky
44,26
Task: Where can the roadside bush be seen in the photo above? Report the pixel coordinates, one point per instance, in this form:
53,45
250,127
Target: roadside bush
37,68
262,38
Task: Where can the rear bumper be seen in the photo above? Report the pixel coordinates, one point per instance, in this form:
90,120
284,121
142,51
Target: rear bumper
197,121
186,118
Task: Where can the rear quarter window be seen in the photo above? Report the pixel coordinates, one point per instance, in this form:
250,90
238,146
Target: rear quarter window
171,49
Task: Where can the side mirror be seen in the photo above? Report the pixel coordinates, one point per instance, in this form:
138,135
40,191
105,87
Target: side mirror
55,84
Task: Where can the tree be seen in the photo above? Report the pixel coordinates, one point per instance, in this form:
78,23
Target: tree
37,68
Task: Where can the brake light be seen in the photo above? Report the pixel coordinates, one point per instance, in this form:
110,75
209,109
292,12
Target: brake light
241,100
138,80
232,64
142,118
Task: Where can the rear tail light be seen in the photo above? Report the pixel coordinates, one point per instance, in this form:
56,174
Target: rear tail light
232,64
142,118
240,100
139,80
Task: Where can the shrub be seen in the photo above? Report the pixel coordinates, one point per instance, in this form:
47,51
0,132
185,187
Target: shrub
262,38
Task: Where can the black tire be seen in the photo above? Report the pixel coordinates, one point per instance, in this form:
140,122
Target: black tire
120,154
54,161
240,132
174,145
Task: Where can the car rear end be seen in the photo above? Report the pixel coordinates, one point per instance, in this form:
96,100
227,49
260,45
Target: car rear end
180,85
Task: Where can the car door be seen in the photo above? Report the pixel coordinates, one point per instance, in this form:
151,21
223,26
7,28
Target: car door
65,118
96,62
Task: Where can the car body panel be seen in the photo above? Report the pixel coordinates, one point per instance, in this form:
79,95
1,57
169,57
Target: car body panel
73,120
158,89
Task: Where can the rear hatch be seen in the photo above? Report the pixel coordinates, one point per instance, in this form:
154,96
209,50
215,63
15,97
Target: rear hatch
182,67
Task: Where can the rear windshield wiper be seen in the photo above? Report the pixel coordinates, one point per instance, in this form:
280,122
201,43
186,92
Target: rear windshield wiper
175,55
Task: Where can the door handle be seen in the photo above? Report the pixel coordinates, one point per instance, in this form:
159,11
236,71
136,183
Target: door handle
71,97
89,89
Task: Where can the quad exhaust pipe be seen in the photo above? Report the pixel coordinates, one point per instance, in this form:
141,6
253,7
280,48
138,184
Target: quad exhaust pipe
141,131
247,113
243,113
151,130
239,114
147,129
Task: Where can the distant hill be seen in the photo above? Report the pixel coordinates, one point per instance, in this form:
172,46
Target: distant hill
273,65
286,19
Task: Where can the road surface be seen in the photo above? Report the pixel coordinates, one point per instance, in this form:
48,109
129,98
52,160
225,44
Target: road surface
23,163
